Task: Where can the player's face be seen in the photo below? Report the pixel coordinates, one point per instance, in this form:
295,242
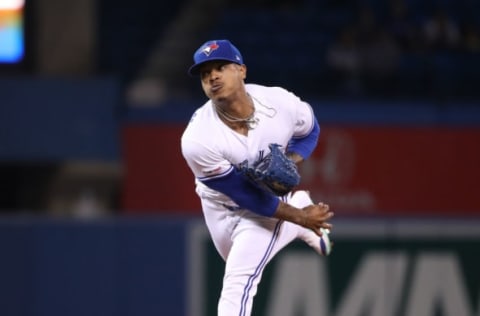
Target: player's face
221,80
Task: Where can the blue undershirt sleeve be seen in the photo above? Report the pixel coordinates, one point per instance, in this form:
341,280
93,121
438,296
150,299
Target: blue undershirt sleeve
245,193
304,146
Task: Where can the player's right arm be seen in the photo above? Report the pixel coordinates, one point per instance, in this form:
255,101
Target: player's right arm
248,196
314,216
219,175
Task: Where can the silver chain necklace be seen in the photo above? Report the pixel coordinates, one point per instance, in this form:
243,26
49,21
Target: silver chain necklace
251,121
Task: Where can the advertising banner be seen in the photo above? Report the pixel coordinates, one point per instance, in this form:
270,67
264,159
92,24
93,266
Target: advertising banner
356,170
377,268
393,170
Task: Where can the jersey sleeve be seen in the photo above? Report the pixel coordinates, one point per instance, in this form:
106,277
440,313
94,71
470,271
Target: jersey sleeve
304,118
304,146
205,163
306,127
244,193
217,173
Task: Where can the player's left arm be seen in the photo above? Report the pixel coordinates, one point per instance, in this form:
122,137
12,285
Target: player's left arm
304,141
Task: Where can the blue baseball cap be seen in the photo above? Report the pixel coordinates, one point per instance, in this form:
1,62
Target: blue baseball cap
215,50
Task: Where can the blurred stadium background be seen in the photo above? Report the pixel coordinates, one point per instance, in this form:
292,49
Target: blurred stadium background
98,214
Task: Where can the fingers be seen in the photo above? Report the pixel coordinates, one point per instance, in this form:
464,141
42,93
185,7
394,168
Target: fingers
318,216
319,228
327,215
326,225
324,205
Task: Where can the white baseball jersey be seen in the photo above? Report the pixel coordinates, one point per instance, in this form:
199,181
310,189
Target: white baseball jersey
212,149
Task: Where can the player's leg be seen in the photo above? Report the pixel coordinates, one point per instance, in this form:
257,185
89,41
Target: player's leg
256,241
220,223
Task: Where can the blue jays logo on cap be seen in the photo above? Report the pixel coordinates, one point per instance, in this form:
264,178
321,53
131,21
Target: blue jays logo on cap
215,50
207,50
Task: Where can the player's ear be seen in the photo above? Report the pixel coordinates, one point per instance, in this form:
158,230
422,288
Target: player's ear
244,71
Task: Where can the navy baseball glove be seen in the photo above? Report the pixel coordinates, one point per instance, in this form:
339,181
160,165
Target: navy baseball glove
275,172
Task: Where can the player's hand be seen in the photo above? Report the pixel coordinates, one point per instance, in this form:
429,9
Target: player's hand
316,217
